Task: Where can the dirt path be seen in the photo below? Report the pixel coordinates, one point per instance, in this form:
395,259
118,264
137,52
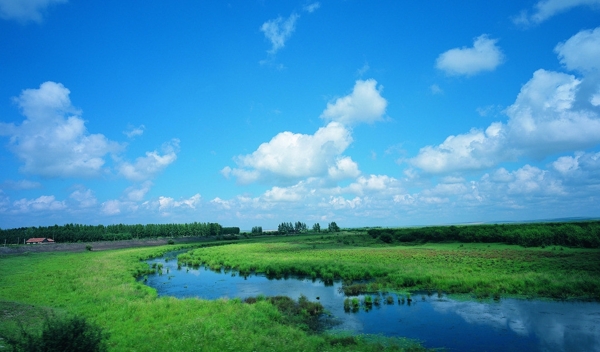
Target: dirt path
97,246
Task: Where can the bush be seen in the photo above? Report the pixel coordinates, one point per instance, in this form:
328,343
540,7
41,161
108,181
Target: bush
68,334
88,247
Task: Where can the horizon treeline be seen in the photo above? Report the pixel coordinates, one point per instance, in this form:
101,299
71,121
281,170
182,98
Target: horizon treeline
91,233
570,234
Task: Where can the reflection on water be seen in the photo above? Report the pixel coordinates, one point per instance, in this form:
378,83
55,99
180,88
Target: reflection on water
508,325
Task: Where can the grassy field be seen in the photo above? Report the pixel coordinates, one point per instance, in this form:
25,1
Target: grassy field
483,270
101,287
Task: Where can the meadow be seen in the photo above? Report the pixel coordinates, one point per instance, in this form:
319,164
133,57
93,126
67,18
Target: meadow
481,269
102,287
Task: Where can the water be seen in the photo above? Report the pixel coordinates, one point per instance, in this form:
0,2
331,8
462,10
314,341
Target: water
507,325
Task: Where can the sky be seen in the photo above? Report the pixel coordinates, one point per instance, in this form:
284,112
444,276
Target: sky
256,112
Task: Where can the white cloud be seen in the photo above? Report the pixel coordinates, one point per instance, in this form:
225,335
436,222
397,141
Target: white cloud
167,203
21,184
343,203
545,9
134,131
43,203
53,140
364,104
474,150
483,56
293,155
153,163
543,120
137,193
279,194
26,10
374,185
85,197
435,89
364,69
111,207
223,204
595,99
312,7
566,164
581,52
344,168
278,31
529,179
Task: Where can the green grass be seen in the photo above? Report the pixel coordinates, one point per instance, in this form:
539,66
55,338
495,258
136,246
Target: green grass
483,270
101,287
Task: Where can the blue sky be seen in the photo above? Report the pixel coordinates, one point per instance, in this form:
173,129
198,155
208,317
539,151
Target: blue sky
251,113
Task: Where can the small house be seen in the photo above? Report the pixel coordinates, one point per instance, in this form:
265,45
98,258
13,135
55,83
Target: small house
39,241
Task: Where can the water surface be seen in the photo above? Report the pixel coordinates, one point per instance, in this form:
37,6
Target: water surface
437,321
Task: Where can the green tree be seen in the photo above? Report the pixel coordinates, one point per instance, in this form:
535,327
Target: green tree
316,227
333,227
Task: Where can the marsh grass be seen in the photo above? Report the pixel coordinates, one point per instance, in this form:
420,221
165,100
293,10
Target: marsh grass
101,286
483,270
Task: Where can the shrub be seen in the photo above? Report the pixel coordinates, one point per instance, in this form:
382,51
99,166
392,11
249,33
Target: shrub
67,334
88,247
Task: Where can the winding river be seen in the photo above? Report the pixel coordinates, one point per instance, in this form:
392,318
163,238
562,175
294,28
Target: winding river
436,321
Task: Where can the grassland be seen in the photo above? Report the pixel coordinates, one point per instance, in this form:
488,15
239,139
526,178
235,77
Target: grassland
481,269
101,287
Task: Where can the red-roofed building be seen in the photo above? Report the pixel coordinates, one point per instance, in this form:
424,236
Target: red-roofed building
39,241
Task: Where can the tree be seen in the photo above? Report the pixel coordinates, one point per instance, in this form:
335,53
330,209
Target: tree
257,230
333,227
317,227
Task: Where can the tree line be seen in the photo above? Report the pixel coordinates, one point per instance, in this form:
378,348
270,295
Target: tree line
90,233
571,234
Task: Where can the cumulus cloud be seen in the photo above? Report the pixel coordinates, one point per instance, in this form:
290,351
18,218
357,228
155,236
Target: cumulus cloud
343,203
281,194
26,10
85,197
581,52
544,119
364,104
293,155
279,30
168,203
483,56
137,193
148,166
474,150
53,141
344,168
42,203
373,185
111,207
545,9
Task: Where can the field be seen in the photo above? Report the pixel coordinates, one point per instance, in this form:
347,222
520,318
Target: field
101,286
481,269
